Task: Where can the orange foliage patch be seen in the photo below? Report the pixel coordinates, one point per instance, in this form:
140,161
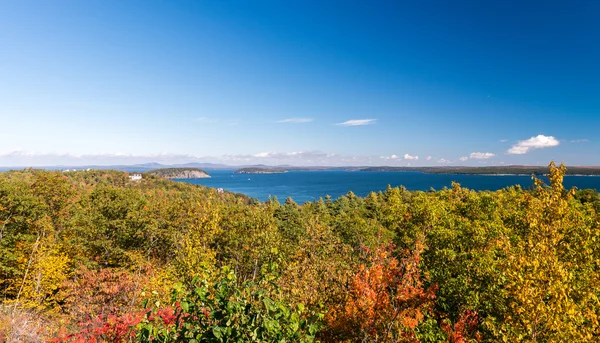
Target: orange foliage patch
386,300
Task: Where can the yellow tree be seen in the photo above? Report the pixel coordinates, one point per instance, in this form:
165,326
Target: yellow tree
316,272
194,256
551,272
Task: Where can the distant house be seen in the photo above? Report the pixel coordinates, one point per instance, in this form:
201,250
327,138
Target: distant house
135,177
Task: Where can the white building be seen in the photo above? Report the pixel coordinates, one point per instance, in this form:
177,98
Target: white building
135,177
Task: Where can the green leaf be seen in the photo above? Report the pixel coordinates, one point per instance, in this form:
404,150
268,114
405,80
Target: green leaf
185,306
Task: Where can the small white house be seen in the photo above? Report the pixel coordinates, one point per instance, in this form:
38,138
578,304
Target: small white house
135,177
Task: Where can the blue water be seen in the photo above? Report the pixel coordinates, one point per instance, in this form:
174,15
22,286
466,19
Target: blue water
305,186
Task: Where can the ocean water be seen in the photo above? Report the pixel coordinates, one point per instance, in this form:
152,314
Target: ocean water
303,186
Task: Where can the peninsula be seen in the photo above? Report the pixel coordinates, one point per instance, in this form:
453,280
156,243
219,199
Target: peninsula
490,170
259,170
180,173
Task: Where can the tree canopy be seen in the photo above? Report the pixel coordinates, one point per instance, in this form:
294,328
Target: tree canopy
92,256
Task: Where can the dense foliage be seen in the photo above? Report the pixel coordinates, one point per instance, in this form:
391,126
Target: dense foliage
91,256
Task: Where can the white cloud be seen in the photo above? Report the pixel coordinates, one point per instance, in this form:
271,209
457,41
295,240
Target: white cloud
18,158
409,157
305,158
518,150
464,158
23,158
296,120
503,140
296,155
262,154
537,142
357,122
584,140
393,157
428,158
481,155
443,160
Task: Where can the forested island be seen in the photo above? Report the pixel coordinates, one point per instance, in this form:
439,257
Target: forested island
89,256
491,170
180,173
260,170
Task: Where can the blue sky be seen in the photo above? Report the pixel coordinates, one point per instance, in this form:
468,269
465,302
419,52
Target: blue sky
300,82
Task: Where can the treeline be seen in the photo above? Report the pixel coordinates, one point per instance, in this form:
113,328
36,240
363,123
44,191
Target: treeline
93,257
487,170
179,173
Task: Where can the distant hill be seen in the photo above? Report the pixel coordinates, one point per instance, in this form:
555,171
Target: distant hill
180,173
260,170
491,170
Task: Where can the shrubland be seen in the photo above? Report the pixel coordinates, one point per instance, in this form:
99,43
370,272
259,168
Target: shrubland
91,256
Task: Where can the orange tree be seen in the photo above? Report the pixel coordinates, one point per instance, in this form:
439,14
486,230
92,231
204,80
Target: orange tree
386,301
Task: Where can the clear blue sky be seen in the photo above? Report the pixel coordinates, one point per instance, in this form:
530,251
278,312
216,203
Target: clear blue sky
300,82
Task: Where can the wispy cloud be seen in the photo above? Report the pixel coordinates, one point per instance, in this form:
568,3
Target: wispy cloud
503,140
357,122
428,158
301,158
393,157
410,157
296,120
28,158
443,160
262,154
464,158
21,158
584,140
299,155
537,142
481,155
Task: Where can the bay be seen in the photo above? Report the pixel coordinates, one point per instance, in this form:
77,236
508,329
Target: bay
303,186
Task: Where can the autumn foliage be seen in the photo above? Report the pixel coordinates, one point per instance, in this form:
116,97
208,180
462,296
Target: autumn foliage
386,300
92,257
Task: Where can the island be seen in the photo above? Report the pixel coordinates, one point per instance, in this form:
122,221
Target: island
260,170
489,170
180,173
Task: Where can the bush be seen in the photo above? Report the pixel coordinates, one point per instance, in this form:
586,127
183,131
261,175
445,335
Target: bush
229,312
